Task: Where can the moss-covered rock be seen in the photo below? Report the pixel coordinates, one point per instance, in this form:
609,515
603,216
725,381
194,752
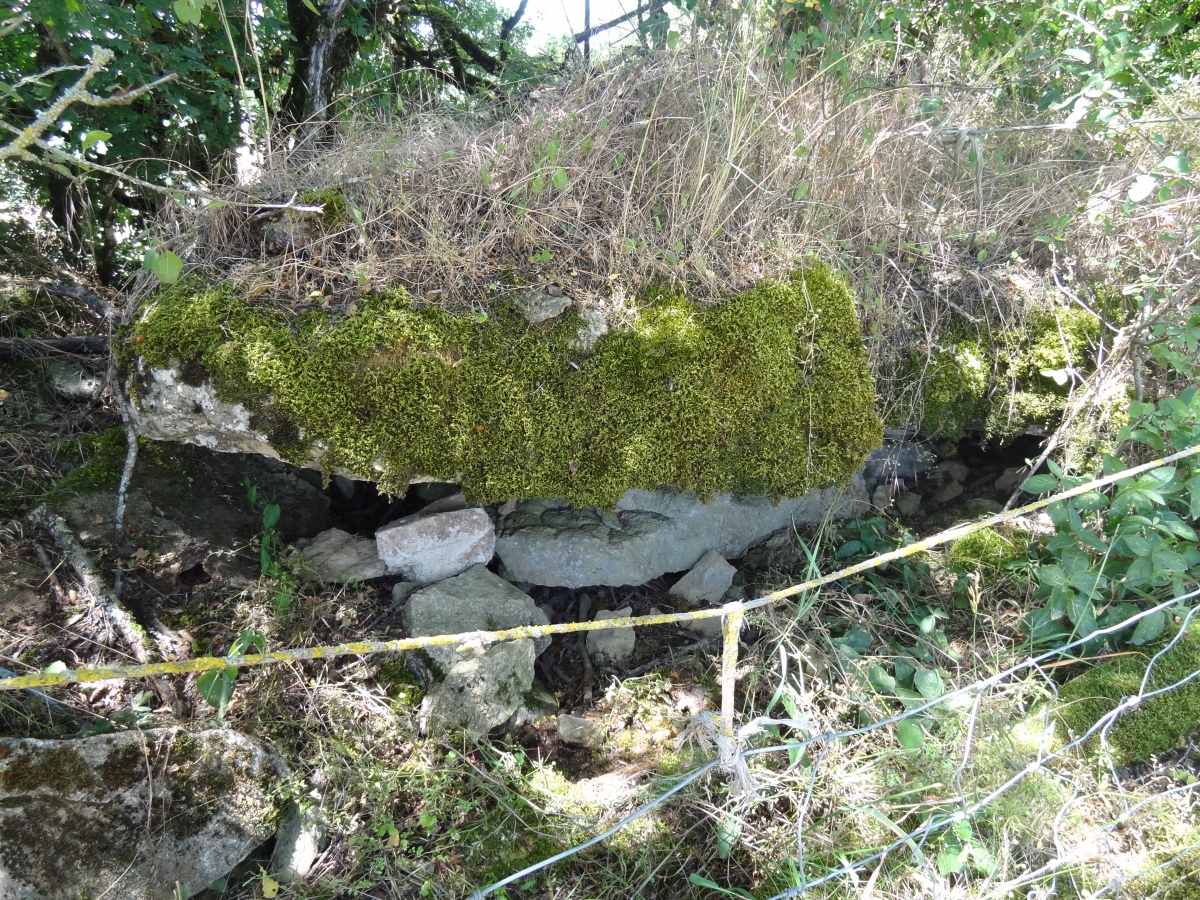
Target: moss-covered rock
1156,724
999,384
767,392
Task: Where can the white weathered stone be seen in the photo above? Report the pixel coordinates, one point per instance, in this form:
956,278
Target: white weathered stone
481,692
476,600
551,542
580,732
298,844
707,582
74,381
432,547
612,643
337,556
129,815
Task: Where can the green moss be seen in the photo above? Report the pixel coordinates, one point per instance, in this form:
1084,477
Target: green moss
998,385
988,551
767,392
1156,724
105,459
335,214
401,684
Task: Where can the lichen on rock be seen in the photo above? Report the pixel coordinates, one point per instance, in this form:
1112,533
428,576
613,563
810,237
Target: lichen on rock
766,392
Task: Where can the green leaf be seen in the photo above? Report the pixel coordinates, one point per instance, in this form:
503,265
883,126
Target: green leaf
165,265
1177,163
856,639
428,820
312,8
55,668
560,179
928,683
905,671
728,833
951,860
912,738
187,11
216,687
1040,484
1143,186
271,515
881,680
1078,55
1149,628
90,139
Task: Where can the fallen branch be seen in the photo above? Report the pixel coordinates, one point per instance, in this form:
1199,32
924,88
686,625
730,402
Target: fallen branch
32,348
123,623
94,302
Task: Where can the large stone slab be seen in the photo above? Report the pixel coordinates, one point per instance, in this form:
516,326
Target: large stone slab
550,542
429,547
127,816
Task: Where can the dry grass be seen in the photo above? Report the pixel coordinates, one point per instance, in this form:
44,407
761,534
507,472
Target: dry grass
712,171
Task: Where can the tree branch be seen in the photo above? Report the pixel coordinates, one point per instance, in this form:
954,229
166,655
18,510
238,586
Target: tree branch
588,33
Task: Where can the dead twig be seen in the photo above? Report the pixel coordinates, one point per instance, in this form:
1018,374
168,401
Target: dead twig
125,625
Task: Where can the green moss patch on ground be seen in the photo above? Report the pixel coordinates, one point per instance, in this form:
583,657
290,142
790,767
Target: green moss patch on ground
1154,726
767,392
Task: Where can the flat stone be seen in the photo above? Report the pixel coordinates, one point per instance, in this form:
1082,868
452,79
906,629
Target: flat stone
580,732
481,692
908,504
429,548
948,491
897,460
74,381
540,306
550,542
612,643
128,815
476,600
711,627
707,582
402,590
953,469
1012,478
337,556
881,497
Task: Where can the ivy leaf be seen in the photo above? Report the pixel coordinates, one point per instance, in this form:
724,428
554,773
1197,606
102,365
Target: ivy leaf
1177,163
881,680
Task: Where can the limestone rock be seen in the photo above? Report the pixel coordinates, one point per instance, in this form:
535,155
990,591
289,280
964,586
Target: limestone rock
476,600
481,692
541,306
612,643
128,815
908,504
550,542
338,556
707,582
74,381
580,732
953,469
440,545
298,843
948,491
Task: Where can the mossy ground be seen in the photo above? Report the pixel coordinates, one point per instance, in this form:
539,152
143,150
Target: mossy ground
767,392
1158,723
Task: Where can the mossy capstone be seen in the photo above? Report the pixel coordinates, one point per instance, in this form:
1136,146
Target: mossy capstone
767,392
